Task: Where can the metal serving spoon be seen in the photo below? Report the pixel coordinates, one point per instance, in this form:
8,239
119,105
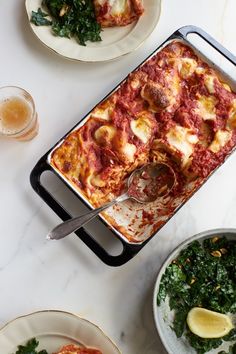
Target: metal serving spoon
145,185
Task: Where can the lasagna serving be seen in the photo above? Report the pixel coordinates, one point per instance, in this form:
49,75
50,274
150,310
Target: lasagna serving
111,13
174,109
74,349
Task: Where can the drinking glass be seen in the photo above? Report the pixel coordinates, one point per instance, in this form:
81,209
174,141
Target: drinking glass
18,117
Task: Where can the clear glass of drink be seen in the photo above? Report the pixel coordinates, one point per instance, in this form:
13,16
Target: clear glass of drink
18,117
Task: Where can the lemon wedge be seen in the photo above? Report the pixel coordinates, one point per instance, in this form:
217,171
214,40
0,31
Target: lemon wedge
208,324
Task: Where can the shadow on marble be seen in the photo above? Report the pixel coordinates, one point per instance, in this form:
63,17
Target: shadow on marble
138,334
153,343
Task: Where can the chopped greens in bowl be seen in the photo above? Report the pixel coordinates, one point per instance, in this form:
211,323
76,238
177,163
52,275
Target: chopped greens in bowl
199,273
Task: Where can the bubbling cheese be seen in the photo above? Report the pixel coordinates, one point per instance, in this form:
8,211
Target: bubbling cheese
222,137
97,181
231,123
182,139
117,6
128,150
142,128
135,83
186,67
102,113
206,107
200,70
209,83
227,87
105,134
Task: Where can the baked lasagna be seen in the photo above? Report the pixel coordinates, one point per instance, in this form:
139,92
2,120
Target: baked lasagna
174,108
111,13
74,349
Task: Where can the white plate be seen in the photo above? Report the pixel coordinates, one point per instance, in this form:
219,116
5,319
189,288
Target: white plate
162,314
53,329
115,42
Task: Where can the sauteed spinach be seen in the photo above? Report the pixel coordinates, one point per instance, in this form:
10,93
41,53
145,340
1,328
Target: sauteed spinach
30,348
70,18
203,275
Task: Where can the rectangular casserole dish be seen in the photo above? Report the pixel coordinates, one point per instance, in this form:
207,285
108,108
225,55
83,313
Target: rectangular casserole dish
133,224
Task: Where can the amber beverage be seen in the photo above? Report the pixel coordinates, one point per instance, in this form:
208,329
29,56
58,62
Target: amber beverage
18,118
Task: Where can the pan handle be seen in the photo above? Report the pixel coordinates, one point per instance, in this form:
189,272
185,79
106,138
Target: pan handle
184,31
128,252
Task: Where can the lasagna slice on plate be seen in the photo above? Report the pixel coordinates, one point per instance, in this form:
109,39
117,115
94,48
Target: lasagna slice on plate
111,13
74,349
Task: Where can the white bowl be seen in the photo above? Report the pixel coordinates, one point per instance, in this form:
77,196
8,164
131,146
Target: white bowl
163,316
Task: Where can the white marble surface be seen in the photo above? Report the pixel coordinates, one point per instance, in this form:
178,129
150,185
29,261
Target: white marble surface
36,274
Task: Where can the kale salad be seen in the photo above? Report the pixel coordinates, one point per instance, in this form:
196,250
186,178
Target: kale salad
203,275
69,18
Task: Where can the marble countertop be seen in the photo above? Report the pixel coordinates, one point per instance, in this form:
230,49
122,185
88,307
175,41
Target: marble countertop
36,274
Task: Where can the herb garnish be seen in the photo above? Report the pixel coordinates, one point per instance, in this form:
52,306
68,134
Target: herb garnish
70,18
30,348
201,276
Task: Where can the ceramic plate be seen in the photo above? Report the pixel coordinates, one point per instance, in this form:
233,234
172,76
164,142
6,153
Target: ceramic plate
53,329
164,316
115,42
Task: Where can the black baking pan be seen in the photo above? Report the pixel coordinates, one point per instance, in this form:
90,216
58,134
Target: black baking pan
129,249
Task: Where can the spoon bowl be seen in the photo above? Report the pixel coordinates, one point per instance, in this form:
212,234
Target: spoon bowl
145,185
150,182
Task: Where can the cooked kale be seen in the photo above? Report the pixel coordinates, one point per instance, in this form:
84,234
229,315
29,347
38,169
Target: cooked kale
201,276
30,348
39,18
70,18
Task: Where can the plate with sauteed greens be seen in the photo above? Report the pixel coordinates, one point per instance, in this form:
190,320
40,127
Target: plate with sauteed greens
93,30
194,299
54,332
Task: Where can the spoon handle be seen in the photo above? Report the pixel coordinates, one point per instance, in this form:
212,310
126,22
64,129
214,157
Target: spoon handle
65,228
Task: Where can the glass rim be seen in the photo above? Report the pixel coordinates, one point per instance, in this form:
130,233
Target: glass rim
33,115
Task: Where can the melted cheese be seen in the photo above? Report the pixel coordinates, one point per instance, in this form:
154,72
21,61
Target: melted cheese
222,137
135,83
162,97
206,107
231,123
110,13
182,139
199,70
142,128
227,87
129,150
157,96
186,67
102,113
174,90
209,83
173,83
97,181
117,6
87,179
105,134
